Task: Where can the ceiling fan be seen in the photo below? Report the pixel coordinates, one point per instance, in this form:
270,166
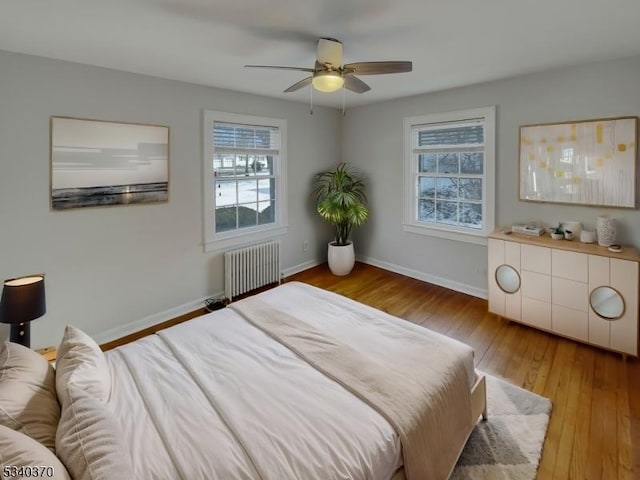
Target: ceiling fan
330,74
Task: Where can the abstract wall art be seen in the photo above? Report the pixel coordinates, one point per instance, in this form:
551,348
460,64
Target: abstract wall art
586,162
100,163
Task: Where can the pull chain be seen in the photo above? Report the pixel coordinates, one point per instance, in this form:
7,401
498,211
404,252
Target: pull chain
311,111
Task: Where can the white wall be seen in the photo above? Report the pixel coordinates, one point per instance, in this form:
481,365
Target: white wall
108,267
373,139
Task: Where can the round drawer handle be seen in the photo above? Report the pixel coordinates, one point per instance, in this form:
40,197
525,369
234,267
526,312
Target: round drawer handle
607,303
507,278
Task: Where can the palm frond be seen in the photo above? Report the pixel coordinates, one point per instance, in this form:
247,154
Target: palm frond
341,200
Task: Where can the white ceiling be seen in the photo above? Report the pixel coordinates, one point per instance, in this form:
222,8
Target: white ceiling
451,42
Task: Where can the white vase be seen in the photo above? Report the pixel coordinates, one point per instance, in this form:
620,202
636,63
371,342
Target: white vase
606,229
341,258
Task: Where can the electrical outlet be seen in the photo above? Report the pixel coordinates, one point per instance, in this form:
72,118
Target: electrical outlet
305,246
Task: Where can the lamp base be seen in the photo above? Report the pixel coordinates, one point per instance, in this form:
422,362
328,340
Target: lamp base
21,333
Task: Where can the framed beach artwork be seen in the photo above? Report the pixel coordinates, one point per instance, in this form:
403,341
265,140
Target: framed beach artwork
587,162
100,163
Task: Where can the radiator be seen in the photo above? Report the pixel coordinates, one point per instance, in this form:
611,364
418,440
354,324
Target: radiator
251,267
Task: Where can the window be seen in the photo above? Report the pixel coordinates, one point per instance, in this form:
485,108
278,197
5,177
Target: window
449,173
244,162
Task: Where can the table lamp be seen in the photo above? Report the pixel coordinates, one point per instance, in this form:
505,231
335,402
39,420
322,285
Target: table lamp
22,300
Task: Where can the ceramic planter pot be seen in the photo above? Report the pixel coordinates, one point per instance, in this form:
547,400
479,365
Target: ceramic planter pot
341,258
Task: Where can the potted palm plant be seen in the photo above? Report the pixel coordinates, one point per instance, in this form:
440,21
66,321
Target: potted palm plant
341,200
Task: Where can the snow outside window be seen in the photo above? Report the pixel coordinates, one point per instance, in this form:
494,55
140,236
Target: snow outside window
449,173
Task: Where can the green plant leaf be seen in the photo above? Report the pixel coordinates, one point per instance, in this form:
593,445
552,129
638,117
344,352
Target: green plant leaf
341,200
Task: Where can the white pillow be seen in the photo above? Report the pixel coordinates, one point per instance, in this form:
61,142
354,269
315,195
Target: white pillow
28,401
79,360
18,450
89,439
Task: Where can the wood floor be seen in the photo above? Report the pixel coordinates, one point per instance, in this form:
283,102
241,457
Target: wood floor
594,431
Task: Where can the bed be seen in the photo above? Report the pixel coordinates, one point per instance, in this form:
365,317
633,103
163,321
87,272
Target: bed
292,383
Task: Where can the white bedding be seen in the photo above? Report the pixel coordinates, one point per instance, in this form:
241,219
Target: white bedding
216,398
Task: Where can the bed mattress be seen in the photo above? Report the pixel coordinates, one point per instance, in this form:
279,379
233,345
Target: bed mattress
218,398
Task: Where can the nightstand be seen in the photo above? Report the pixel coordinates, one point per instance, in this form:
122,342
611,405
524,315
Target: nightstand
49,353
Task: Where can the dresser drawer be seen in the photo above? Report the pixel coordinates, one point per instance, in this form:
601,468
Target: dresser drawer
535,259
536,313
570,265
570,294
570,323
536,286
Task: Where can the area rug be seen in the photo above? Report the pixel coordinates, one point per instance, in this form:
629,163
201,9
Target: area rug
509,444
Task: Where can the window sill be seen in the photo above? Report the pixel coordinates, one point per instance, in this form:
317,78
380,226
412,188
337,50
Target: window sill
479,238
246,238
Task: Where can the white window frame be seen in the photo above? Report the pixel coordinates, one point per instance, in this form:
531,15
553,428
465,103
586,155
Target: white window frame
452,232
245,236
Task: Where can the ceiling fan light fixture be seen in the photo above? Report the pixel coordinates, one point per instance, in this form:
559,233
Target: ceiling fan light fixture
327,82
330,74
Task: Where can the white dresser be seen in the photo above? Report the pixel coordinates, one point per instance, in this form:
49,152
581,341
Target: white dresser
580,291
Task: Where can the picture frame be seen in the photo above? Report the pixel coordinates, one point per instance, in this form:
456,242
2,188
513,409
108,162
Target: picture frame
583,162
95,163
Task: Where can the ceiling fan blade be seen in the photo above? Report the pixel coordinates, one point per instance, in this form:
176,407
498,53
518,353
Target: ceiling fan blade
355,84
299,69
298,85
377,68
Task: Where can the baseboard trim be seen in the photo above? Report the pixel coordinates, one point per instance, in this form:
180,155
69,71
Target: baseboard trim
301,267
155,319
425,277
121,331
130,328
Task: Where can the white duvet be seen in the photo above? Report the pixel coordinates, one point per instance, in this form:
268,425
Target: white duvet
216,398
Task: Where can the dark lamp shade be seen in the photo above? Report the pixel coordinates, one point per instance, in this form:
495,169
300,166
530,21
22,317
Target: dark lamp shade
23,299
